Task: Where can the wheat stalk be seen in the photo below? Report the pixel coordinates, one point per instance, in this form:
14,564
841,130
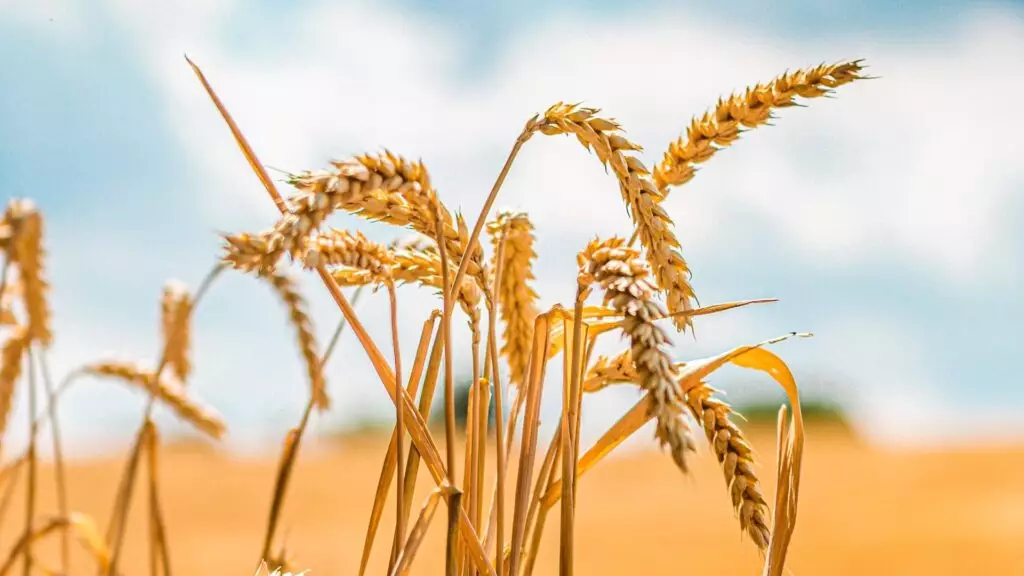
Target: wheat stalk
720,127
517,299
641,196
168,391
629,289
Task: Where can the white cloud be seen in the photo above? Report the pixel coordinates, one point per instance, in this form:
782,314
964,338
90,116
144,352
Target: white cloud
912,169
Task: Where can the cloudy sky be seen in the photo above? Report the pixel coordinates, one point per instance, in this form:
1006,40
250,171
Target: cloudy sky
885,219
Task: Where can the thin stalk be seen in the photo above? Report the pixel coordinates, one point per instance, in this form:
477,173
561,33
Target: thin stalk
399,430
483,399
570,440
160,559
498,501
30,502
542,513
449,395
535,524
538,365
471,245
449,384
58,460
391,458
426,401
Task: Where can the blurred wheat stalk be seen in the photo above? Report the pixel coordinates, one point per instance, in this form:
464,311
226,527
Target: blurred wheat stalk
448,257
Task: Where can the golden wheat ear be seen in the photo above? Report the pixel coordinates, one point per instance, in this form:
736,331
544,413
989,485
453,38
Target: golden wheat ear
175,314
653,226
26,251
203,418
629,288
516,297
720,127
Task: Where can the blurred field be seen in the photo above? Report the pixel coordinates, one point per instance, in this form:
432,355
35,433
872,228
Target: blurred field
862,511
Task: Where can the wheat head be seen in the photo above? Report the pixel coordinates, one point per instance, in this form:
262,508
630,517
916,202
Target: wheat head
607,371
10,370
630,290
385,188
516,297
603,136
175,312
416,263
169,392
27,252
288,292
736,458
720,127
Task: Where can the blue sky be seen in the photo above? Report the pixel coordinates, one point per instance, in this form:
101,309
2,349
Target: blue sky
883,219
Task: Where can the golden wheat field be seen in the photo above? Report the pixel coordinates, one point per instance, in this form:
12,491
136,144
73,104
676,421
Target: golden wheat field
864,510
720,496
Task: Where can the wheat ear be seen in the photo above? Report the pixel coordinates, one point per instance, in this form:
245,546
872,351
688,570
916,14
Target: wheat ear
415,263
517,299
386,188
720,127
736,458
175,313
289,293
604,137
28,255
629,289
168,391
10,370
607,371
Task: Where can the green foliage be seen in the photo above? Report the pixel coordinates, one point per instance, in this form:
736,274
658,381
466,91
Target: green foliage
814,410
